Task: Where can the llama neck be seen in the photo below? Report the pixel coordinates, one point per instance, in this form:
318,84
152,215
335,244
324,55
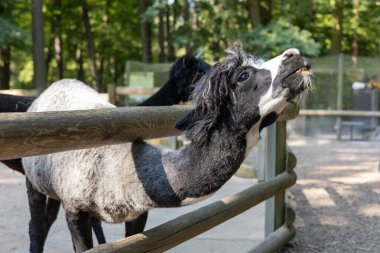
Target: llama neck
167,95
210,166
172,178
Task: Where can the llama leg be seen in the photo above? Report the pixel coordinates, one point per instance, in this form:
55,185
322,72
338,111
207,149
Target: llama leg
80,228
37,203
98,230
136,226
52,209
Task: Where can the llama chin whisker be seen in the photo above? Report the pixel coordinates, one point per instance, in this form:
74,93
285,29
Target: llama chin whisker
308,81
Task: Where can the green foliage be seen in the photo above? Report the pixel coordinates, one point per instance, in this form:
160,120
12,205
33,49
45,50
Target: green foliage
279,35
212,25
11,34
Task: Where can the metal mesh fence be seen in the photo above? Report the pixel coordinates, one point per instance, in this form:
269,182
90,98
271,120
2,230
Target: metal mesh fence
334,78
361,73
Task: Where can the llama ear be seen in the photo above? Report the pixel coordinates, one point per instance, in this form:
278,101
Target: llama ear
198,55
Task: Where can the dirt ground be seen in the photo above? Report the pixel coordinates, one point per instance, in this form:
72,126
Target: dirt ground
337,196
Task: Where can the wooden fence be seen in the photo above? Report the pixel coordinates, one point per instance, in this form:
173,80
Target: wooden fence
26,134
340,114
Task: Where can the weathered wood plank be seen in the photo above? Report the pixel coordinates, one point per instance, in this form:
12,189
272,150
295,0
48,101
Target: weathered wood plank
123,90
32,93
339,113
275,240
21,92
187,226
111,90
28,134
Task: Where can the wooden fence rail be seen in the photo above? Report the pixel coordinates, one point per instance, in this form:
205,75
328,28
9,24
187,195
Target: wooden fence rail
27,134
339,113
187,226
21,92
37,133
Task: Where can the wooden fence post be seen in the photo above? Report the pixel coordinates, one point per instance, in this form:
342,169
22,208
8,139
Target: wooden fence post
127,80
262,159
111,89
339,95
276,163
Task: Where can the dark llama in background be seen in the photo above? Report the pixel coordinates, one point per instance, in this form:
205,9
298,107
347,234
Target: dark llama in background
184,72
117,183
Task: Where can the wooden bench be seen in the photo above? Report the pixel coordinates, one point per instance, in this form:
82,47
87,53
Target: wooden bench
351,125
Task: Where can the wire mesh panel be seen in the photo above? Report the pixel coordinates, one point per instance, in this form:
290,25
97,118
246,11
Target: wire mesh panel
146,75
326,71
342,82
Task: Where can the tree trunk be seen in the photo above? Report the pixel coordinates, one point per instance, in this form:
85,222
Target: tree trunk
55,43
169,38
253,7
103,48
146,33
90,46
50,53
39,65
187,24
266,11
58,53
5,56
355,44
101,69
112,70
161,37
79,61
337,32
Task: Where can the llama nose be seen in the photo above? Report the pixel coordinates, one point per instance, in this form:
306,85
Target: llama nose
289,53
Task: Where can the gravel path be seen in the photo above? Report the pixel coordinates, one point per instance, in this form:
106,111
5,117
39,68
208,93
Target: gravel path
337,196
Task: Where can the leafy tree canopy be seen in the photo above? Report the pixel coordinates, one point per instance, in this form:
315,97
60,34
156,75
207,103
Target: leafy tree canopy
278,35
13,35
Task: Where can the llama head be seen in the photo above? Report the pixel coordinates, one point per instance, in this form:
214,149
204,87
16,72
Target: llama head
185,72
240,94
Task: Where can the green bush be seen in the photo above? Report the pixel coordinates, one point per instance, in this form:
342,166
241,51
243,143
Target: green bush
279,35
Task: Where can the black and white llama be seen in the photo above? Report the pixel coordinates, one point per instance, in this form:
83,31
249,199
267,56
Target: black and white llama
182,76
117,183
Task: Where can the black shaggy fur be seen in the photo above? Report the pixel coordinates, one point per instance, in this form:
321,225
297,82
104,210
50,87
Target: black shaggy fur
213,102
183,74
11,103
214,98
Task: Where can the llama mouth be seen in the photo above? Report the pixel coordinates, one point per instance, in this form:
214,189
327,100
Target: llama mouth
304,71
300,80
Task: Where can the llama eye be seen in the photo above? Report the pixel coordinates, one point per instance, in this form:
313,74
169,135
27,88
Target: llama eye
243,76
